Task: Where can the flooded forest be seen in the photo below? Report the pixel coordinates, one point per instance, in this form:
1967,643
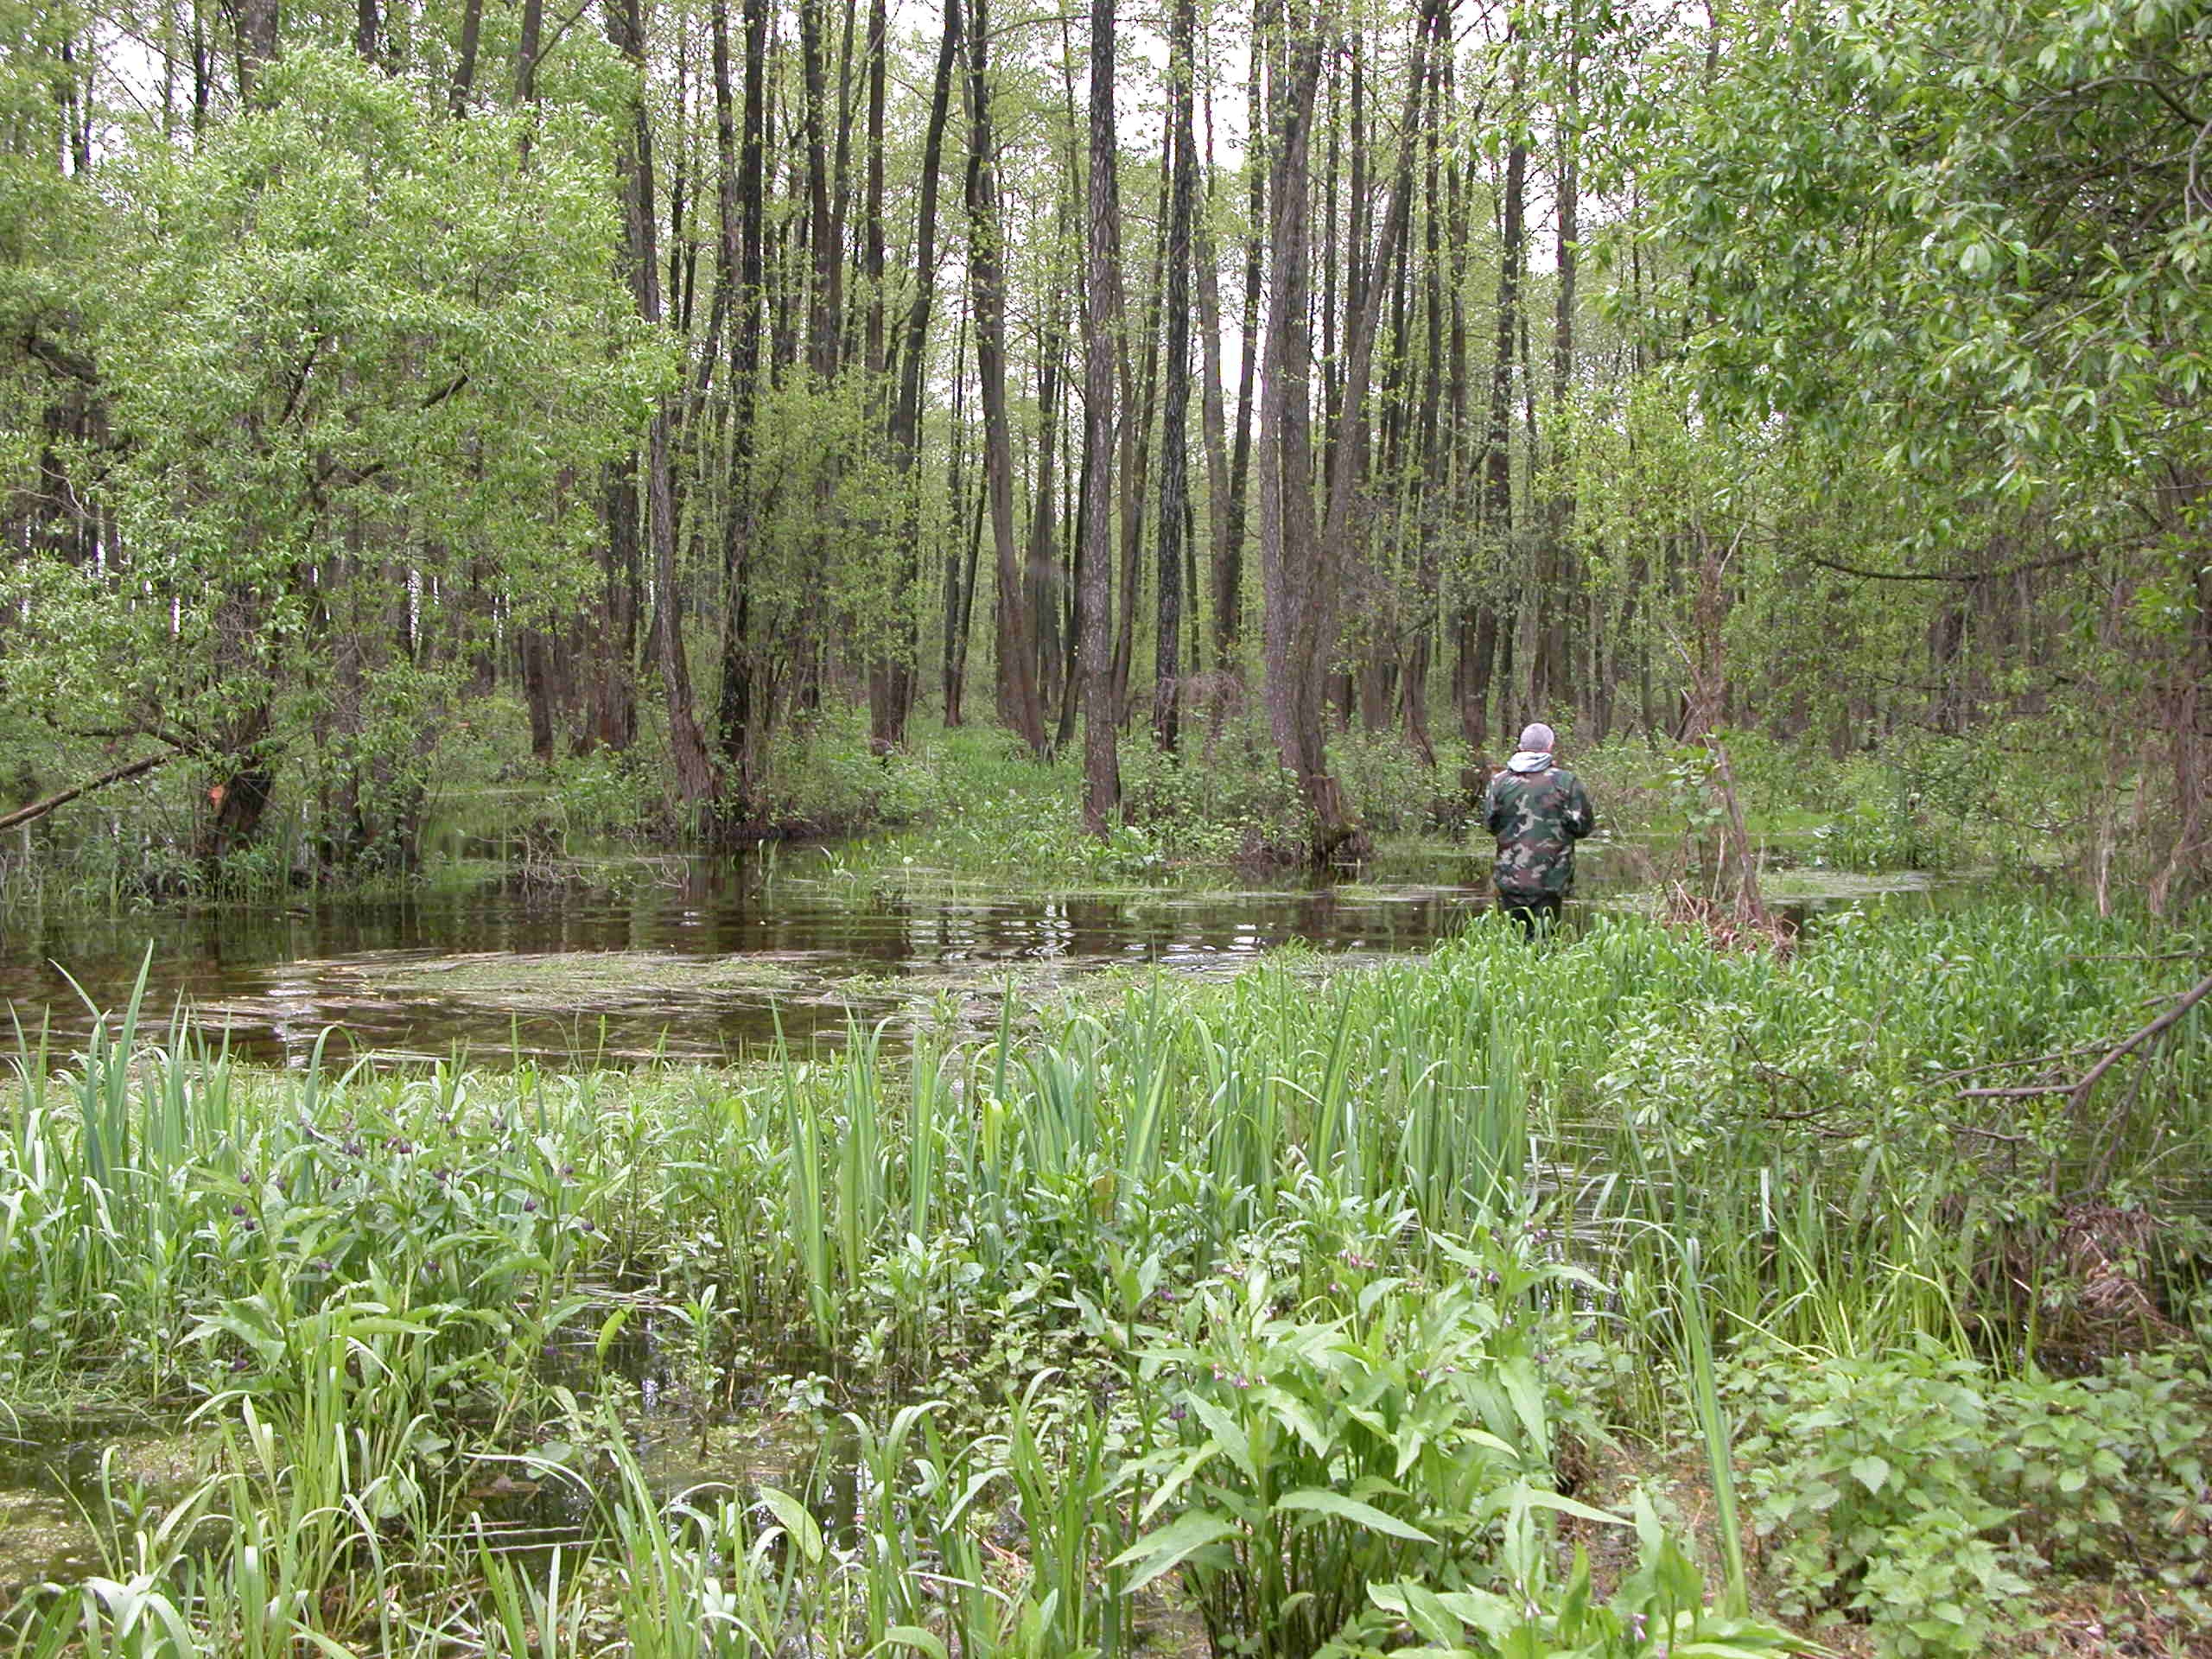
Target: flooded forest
769,885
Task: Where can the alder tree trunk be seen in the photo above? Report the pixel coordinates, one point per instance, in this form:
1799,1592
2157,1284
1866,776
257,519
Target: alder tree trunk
1174,437
1101,758
1017,650
891,691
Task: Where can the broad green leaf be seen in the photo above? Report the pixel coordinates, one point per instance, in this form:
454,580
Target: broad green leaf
1321,1501
1174,1544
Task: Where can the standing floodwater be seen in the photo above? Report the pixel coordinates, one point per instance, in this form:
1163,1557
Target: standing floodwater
691,957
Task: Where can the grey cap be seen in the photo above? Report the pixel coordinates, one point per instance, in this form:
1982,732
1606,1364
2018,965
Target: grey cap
1536,739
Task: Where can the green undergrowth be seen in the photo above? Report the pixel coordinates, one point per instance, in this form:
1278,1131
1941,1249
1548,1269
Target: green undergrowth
1570,1299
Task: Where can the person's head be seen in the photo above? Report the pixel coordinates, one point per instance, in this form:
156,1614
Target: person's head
1536,738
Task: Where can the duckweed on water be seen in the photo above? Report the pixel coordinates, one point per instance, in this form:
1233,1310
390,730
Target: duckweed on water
1320,1308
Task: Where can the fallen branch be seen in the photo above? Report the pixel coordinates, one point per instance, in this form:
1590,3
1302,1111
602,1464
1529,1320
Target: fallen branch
40,809
2080,1088
2194,994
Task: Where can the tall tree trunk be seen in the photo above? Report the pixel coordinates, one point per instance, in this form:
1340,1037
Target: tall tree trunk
1041,562
1174,439
1429,513
257,21
1292,571
1495,516
986,279
1229,577
737,710
1136,441
1213,423
955,501
527,48
695,772
464,69
891,689
1557,580
1101,762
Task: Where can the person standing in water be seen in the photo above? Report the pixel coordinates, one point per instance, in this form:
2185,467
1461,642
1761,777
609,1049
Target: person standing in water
1537,810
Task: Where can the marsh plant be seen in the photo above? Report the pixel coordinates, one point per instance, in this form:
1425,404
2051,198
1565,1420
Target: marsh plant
1313,1310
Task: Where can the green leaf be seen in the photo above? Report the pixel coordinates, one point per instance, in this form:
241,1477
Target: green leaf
1174,1544
804,1530
1319,1501
913,1635
1870,1473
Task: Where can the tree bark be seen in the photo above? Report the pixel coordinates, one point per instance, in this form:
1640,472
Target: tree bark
893,689
737,714
1101,760
987,280
1293,560
464,70
695,772
1229,574
1174,439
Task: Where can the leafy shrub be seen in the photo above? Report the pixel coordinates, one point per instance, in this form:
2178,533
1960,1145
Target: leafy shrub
1918,1492
601,795
823,772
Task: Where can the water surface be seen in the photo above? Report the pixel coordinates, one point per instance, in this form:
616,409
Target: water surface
695,957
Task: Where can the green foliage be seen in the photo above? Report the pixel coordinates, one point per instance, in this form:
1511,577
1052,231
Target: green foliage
1408,1249
1317,1455
1659,1608
363,346
1923,1494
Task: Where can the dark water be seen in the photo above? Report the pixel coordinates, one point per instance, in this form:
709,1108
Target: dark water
694,958
722,954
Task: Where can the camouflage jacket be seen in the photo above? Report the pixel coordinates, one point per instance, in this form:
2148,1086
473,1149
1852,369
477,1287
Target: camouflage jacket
1538,811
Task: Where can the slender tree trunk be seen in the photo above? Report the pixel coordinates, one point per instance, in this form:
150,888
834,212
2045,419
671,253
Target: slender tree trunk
694,773
986,279
737,708
1136,443
893,689
1558,581
527,47
464,69
1174,439
956,519
1213,422
1496,496
1229,576
1428,515
1101,762
1293,574
1041,562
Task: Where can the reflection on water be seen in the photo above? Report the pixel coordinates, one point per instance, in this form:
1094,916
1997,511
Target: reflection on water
710,956
827,950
